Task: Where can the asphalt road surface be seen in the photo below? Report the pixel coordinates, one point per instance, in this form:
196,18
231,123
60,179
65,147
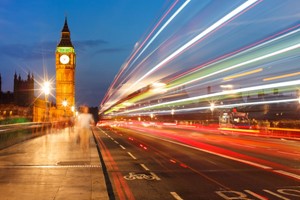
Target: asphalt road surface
171,163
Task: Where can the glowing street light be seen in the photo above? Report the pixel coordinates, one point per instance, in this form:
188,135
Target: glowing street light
46,90
65,103
212,107
151,115
172,112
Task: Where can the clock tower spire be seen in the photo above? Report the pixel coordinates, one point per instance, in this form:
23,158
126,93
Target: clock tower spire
65,73
65,40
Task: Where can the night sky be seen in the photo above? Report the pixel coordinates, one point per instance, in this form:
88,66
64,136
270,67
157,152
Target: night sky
103,33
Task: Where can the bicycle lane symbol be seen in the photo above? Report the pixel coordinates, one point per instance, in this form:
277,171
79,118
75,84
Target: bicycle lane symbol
133,176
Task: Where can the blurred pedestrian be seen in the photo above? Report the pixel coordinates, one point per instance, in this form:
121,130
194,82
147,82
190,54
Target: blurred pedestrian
84,121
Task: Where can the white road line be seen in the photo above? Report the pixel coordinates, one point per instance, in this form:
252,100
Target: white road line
122,147
144,166
176,196
116,142
214,153
256,195
288,174
276,195
132,156
154,175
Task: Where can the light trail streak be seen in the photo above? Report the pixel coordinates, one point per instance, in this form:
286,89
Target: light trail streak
210,29
216,107
281,76
248,89
163,27
242,74
127,63
272,53
246,49
155,36
225,68
228,68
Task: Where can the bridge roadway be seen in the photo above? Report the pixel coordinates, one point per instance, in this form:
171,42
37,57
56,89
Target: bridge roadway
52,167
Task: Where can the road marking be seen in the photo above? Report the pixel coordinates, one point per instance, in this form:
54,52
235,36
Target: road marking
133,176
256,195
214,153
155,176
122,147
116,142
176,196
277,195
144,166
288,174
132,156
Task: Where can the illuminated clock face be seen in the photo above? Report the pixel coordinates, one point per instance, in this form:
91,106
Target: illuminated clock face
64,59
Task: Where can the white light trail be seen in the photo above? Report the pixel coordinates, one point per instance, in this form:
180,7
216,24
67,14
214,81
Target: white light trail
216,106
247,51
162,28
248,89
241,64
148,44
213,27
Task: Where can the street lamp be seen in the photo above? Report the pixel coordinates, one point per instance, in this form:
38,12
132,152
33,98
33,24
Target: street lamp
172,113
46,90
212,108
151,115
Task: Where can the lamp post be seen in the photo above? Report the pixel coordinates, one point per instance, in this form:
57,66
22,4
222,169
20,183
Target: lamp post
172,113
46,90
212,108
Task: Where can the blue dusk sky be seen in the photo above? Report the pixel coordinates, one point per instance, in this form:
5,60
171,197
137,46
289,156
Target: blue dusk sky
103,33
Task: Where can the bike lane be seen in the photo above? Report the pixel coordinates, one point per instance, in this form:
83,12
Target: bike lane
121,187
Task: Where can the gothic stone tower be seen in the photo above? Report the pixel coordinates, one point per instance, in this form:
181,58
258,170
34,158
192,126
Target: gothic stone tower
24,90
65,73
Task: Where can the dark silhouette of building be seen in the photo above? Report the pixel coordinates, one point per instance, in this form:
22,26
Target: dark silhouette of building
23,90
18,103
5,97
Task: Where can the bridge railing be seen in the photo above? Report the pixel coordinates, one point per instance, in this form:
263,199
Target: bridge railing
11,134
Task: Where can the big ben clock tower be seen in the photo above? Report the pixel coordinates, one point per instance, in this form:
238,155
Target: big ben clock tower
65,73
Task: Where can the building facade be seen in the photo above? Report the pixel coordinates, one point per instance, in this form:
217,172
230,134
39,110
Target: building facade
24,90
65,73
20,102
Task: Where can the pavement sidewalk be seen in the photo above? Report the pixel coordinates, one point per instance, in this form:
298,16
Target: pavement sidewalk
52,167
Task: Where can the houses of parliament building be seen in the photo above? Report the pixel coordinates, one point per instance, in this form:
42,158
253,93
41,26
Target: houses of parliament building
22,103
